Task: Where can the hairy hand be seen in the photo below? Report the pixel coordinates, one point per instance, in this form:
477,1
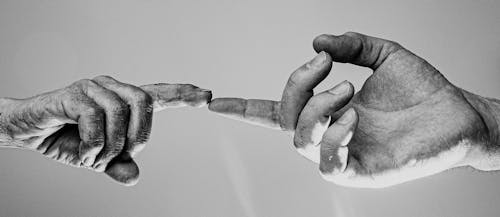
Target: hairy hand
99,124
406,122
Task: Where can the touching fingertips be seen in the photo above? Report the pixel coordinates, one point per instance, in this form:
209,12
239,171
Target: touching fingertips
197,98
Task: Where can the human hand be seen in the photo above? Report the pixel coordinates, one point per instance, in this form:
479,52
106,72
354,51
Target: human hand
406,122
99,124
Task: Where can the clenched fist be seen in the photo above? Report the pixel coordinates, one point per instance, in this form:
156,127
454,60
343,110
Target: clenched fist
99,124
407,121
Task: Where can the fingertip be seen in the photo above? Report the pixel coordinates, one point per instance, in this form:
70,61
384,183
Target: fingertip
325,172
124,171
202,98
195,96
320,41
214,105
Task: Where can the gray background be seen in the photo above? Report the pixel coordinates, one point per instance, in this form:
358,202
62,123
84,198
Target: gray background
200,164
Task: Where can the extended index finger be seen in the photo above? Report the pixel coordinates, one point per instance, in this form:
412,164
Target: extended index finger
282,114
123,168
255,111
177,95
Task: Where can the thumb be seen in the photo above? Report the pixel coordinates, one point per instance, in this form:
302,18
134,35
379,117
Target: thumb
123,169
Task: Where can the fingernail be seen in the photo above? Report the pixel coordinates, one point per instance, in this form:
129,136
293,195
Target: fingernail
340,88
319,59
347,117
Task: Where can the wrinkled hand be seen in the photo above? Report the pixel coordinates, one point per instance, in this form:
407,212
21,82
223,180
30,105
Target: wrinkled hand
99,124
406,122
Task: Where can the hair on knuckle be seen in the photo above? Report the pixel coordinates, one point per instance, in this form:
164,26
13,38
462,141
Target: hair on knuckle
142,97
94,111
119,108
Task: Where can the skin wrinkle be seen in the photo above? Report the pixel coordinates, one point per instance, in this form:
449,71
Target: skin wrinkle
143,135
484,108
281,117
392,49
422,68
275,114
353,147
67,125
49,141
245,114
63,109
368,107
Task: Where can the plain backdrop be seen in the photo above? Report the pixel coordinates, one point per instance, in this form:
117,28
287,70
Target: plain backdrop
200,164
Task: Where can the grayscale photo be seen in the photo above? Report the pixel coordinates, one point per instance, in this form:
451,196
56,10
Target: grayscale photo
321,108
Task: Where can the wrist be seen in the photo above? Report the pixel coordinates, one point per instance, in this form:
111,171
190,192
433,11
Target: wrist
489,110
487,154
7,107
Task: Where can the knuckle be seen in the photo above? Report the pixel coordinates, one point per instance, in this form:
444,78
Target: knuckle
116,149
119,108
142,97
103,78
94,111
352,34
391,46
96,143
84,83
